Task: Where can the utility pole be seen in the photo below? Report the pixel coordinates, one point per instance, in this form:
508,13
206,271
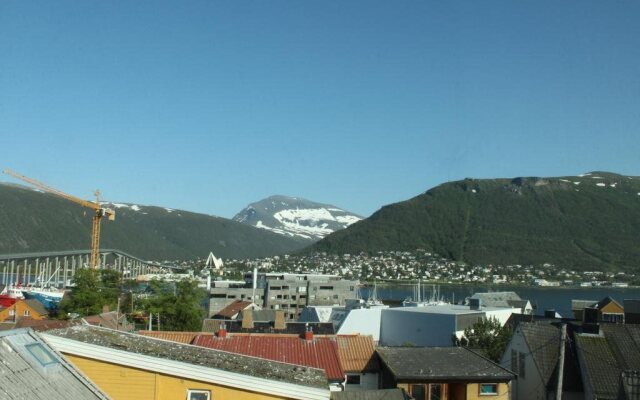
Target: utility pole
563,339
118,313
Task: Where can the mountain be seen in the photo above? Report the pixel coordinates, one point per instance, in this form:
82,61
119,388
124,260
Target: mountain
32,221
583,222
295,217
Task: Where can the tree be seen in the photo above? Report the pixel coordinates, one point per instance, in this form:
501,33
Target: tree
486,335
177,304
93,289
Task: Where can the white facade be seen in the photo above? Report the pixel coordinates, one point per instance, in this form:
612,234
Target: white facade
531,385
433,325
365,321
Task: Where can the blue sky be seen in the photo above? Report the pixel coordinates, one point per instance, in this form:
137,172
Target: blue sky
208,106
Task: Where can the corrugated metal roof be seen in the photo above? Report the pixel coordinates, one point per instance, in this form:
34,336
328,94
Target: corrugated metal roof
357,353
317,353
178,337
23,376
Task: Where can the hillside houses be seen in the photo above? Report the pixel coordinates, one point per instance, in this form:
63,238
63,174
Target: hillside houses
420,264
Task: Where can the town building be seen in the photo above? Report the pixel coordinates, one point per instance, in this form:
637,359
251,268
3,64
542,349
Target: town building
434,325
308,350
128,366
444,373
504,300
610,362
533,354
29,308
284,291
605,310
359,360
234,309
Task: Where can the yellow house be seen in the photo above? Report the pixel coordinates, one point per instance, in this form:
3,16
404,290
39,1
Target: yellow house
129,366
23,308
605,310
444,373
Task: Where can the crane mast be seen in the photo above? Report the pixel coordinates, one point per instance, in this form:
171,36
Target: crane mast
98,212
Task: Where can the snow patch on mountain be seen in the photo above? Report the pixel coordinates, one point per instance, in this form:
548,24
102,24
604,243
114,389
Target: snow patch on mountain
296,217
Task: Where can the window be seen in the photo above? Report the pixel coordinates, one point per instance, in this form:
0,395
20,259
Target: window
326,287
353,379
514,360
521,365
417,392
617,318
435,392
12,312
41,354
26,313
488,389
198,394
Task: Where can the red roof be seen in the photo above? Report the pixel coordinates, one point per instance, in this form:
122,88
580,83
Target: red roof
234,308
357,353
317,353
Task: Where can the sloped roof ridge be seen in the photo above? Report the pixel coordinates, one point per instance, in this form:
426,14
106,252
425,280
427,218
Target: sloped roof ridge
208,341
388,357
532,332
75,333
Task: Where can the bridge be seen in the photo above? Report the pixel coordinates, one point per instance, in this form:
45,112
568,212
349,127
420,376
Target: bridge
57,268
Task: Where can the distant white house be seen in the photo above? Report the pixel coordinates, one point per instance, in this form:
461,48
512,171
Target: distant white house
503,300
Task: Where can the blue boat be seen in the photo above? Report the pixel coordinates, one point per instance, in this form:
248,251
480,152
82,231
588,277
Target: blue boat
50,298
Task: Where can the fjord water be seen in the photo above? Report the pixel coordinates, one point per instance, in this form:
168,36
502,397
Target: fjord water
542,298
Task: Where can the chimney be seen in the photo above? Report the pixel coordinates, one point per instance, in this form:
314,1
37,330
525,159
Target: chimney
475,304
551,313
308,333
105,309
247,319
222,332
279,323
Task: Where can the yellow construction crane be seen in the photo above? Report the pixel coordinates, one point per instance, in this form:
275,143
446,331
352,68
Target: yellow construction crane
99,212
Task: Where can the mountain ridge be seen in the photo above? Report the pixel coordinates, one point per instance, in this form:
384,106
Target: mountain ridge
584,221
296,217
33,221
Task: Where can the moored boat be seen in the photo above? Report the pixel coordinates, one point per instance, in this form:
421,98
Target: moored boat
49,297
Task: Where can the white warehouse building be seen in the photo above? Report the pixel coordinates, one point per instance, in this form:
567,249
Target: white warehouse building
434,325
